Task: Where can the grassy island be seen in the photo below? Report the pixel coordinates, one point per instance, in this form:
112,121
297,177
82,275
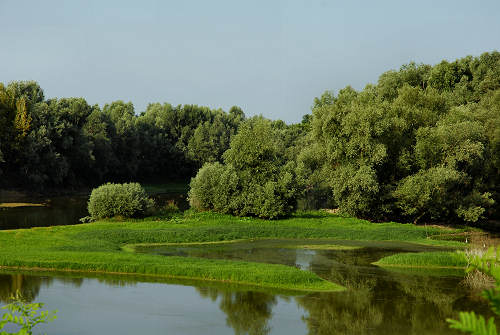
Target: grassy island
108,246
425,260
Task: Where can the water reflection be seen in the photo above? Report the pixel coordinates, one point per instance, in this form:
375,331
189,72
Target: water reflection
55,212
405,304
28,286
246,312
377,301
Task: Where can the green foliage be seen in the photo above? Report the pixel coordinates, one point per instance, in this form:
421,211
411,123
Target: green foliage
256,178
25,315
422,144
426,192
126,200
469,322
176,141
15,120
213,188
313,175
489,264
212,138
68,143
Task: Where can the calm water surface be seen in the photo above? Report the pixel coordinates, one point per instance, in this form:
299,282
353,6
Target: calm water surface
376,301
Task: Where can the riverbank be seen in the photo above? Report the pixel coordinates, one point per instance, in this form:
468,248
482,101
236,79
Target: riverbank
105,246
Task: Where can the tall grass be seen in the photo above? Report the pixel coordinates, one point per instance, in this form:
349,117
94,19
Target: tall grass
425,259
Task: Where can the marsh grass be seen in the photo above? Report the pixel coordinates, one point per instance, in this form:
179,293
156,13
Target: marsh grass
475,279
101,247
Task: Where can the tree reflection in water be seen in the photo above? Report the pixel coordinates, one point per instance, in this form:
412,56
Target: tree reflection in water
349,312
381,302
246,312
377,301
28,286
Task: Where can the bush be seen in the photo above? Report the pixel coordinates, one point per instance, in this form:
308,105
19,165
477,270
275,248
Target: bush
110,200
214,187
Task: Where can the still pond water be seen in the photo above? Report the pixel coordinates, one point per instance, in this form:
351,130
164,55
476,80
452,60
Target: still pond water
63,210
376,301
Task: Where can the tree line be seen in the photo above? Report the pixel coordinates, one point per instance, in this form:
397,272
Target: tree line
65,143
422,144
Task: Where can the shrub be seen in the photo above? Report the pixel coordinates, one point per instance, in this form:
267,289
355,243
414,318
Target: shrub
204,185
110,200
214,187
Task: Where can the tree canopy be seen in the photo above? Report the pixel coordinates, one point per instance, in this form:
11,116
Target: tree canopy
64,143
421,144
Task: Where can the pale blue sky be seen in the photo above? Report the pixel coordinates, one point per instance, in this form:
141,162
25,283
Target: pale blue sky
269,57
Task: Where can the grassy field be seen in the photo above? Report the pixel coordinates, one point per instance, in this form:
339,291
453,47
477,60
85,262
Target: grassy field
105,246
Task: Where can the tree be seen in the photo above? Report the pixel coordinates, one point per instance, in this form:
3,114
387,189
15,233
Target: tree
255,179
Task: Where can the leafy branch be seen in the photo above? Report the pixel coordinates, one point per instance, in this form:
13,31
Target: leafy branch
25,315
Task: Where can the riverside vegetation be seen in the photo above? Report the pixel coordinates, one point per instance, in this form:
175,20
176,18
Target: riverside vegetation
421,145
111,200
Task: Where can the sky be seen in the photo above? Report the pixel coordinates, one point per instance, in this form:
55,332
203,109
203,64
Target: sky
268,57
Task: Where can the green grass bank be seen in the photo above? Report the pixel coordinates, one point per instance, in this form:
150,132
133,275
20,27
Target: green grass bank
104,246
425,260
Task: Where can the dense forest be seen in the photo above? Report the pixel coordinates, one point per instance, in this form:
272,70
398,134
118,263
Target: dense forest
56,143
422,144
